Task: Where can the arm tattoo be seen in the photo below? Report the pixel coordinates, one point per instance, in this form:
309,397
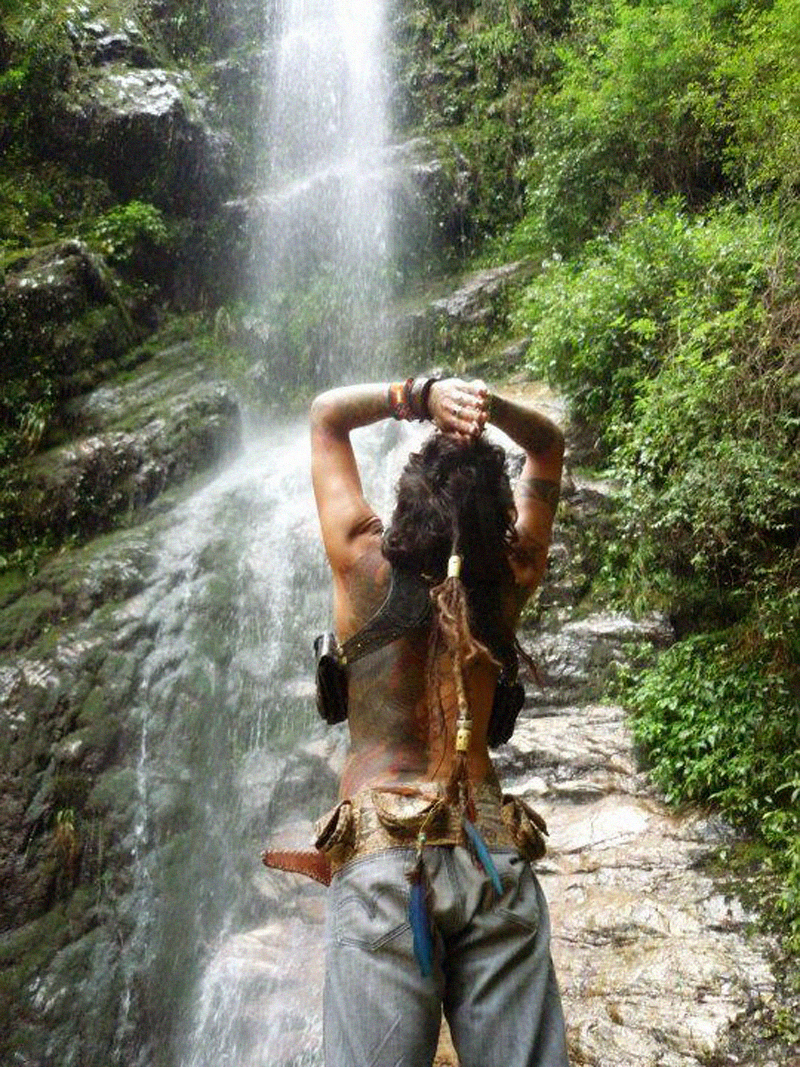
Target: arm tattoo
540,489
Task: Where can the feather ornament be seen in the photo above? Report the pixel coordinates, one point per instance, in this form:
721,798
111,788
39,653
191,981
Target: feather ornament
484,857
418,917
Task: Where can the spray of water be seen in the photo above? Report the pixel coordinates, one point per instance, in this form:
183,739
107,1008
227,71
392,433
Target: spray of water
324,244
323,229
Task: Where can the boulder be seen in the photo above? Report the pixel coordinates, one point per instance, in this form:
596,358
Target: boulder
62,324
475,302
98,42
459,323
87,486
145,132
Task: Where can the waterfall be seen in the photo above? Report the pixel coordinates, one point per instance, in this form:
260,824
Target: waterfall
197,656
229,696
322,253
225,703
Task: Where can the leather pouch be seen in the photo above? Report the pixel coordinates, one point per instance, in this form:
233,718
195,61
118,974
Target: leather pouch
331,679
526,826
404,814
336,832
509,696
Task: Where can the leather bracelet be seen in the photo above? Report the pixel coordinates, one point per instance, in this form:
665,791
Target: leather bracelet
418,397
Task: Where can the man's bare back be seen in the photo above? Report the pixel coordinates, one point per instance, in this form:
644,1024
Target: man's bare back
397,733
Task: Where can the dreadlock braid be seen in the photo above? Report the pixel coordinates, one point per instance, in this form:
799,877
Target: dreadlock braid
455,499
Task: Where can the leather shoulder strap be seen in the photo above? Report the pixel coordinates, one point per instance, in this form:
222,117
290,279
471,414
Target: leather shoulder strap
407,606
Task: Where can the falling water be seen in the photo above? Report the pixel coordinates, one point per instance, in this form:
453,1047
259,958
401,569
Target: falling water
224,705
200,957
229,697
324,233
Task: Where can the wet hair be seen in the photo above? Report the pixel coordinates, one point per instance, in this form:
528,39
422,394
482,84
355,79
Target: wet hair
456,496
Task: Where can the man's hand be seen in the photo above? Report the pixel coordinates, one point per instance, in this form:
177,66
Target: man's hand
459,408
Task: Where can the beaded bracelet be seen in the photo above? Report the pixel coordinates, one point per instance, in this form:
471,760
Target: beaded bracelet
398,399
409,399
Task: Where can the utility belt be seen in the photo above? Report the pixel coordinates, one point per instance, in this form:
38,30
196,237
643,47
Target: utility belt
378,819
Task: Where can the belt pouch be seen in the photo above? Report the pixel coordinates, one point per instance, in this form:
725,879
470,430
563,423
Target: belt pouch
336,833
526,826
331,678
509,698
404,814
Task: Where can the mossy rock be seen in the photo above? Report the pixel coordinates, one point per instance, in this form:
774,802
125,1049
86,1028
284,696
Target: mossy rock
27,617
114,795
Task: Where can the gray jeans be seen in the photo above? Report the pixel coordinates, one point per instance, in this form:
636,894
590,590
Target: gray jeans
493,973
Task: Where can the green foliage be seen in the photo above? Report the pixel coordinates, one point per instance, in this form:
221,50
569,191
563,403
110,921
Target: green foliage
761,98
626,111
41,202
128,231
40,57
677,338
720,724
611,318
679,343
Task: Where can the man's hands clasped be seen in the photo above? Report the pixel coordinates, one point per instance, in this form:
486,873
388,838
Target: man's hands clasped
459,408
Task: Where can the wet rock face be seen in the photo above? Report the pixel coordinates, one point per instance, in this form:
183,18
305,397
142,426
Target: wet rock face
98,42
462,320
88,486
429,196
145,132
163,421
475,302
61,319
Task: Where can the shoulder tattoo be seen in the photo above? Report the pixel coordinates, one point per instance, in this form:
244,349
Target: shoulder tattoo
540,489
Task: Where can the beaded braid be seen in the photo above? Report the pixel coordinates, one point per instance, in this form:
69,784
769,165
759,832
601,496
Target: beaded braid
451,628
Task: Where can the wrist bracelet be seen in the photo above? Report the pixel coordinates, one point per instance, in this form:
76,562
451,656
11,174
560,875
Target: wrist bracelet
398,398
418,397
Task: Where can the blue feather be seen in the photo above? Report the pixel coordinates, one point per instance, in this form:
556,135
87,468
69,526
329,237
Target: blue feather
484,856
421,928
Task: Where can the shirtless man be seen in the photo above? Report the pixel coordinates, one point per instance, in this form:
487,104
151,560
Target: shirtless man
436,908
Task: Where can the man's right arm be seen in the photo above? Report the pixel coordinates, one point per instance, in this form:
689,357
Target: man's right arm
537,490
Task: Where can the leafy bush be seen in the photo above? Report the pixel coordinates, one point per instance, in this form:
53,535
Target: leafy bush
39,57
719,723
761,98
604,321
680,344
628,110
128,231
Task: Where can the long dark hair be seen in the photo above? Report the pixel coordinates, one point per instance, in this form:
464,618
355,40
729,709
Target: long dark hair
456,496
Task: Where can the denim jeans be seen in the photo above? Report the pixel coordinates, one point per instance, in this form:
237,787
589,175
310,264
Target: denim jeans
493,973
